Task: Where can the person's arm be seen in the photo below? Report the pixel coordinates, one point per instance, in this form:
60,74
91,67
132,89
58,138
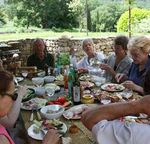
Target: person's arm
4,140
110,112
12,116
52,137
108,68
131,85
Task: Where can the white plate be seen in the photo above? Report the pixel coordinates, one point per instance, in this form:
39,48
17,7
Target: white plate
19,79
76,111
35,103
125,93
111,87
53,86
41,74
40,135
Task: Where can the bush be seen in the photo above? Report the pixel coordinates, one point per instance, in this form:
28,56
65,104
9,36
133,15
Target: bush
143,26
64,58
136,16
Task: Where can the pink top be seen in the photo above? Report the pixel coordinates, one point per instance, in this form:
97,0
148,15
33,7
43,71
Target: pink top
4,132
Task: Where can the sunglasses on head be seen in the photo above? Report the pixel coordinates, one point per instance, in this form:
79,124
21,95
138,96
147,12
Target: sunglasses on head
12,96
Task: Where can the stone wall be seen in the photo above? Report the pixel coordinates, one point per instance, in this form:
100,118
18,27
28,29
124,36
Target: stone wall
62,45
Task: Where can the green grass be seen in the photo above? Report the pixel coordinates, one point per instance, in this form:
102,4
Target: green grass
50,34
33,32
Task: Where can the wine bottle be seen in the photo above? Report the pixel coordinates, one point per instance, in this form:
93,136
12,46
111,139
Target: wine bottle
76,90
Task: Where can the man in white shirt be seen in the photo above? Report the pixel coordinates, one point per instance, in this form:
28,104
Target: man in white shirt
84,64
107,128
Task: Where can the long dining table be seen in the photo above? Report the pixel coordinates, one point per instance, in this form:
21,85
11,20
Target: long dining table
81,137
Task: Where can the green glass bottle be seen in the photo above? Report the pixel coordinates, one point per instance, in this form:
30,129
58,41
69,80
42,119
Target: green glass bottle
76,90
71,77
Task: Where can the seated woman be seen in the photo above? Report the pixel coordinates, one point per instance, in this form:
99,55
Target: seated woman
84,64
147,83
40,57
139,48
7,100
118,62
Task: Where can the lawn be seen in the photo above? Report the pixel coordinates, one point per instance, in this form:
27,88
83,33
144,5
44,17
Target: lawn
51,34
47,33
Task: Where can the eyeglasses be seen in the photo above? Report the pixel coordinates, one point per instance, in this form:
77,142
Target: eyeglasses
12,96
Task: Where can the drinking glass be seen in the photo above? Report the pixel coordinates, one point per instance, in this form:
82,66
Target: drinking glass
105,100
38,81
94,62
50,92
24,73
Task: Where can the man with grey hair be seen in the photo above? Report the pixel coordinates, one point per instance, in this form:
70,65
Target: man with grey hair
84,64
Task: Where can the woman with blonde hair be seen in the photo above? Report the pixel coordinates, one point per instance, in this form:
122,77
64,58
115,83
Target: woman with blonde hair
139,48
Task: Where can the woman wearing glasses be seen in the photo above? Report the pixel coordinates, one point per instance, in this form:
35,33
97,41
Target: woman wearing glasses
119,61
139,49
10,107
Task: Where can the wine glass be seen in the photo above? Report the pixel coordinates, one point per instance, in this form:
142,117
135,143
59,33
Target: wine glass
94,62
24,73
50,92
38,81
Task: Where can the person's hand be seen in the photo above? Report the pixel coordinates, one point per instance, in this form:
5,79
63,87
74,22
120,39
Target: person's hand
106,67
120,77
22,90
52,137
144,105
129,84
82,70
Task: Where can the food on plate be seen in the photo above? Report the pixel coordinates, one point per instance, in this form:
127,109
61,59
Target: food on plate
73,129
115,99
59,77
85,77
45,125
52,86
35,103
112,87
61,100
86,84
75,112
30,94
125,94
50,111
96,91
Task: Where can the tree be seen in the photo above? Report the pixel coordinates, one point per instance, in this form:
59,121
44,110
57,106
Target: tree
2,17
45,14
136,17
105,17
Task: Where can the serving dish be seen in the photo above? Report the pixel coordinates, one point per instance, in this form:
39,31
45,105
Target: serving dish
112,87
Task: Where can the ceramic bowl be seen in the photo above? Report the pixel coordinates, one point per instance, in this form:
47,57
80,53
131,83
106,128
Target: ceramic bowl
52,111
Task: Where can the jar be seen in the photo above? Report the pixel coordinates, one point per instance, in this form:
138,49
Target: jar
87,99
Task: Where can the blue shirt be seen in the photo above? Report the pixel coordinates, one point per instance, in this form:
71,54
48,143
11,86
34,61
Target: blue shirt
136,75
